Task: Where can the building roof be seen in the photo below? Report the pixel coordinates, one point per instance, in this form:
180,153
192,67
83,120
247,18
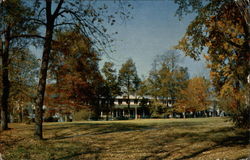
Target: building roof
123,106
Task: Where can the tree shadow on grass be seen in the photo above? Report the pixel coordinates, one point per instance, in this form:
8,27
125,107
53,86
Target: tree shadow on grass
219,137
240,139
99,129
75,155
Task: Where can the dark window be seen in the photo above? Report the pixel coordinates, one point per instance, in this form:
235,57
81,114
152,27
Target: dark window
127,101
136,101
119,101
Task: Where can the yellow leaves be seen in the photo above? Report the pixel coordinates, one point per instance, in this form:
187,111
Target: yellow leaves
221,24
233,33
226,46
209,44
214,75
226,90
227,71
231,98
234,57
209,65
207,57
195,96
182,44
240,70
238,41
221,57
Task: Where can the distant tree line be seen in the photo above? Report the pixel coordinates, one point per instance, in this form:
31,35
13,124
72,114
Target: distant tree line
168,87
172,91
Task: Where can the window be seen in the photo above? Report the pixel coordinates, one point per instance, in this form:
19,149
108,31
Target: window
136,101
119,101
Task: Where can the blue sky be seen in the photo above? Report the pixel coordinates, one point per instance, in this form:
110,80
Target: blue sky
153,30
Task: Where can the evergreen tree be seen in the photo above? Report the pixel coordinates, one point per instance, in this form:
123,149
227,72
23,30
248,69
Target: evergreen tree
128,80
112,88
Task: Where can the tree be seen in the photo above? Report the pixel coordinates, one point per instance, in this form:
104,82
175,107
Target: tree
168,74
166,80
74,70
112,88
61,14
234,102
195,97
23,69
144,89
14,25
128,80
221,27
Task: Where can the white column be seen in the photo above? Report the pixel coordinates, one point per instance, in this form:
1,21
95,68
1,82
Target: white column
136,112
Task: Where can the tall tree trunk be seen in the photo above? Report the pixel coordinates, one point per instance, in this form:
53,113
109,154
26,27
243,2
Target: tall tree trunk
5,82
184,113
108,108
128,88
107,116
128,106
246,26
42,81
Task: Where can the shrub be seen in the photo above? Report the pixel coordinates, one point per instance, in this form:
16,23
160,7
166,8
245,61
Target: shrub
81,115
237,104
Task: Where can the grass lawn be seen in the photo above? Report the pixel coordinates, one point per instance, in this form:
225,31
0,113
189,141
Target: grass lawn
201,138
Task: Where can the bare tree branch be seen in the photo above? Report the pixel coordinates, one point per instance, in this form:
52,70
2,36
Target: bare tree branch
59,6
62,24
27,36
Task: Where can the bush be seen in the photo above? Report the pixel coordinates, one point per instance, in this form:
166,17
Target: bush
121,118
242,119
82,115
237,104
51,119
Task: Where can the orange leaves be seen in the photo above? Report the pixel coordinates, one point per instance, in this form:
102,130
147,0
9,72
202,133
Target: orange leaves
222,32
209,44
195,96
231,98
75,69
221,24
226,90
214,74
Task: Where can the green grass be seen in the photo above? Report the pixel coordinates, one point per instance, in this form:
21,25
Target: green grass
152,139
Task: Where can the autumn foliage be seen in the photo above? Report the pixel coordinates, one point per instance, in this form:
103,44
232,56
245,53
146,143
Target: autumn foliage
74,74
221,31
195,97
